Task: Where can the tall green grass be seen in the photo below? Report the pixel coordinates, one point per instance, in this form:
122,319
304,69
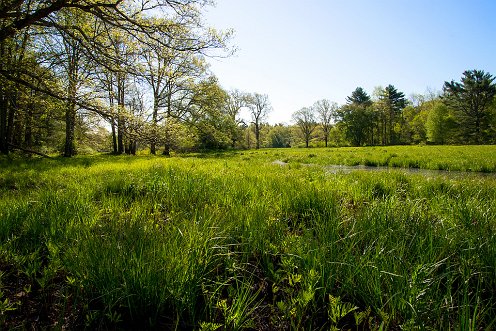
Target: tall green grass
236,242
450,158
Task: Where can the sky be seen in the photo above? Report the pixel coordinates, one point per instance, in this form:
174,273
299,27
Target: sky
298,52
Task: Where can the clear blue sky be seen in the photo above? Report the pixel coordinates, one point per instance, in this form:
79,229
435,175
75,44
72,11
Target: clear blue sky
298,52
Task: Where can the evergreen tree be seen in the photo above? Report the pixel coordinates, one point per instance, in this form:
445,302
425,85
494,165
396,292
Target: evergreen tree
391,103
471,100
359,97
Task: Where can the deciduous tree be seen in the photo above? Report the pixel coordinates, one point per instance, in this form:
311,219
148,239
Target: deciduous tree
133,19
236,101
357,118
440,124
326,112
259,107
306,121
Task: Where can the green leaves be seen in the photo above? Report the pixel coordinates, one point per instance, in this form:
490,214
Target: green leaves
338,309
471,99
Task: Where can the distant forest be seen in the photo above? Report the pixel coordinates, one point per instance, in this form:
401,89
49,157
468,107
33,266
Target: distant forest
126,76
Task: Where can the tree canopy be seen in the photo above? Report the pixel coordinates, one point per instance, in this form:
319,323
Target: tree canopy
96,51
471,99
305,119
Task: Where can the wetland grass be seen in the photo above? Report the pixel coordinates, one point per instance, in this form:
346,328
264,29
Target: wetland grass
235,242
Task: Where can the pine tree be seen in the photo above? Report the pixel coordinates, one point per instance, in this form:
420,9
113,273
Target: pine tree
471,100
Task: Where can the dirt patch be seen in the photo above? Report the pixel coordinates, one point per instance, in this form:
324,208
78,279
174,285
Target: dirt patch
34,308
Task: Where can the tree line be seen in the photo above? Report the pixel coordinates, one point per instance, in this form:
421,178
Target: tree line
463,113
122,75
71,70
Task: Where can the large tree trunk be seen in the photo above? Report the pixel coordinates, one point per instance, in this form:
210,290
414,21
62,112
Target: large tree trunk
391,131
153,143
11,114
28,127
4,148
133,147
70,112
114,136
257,135
110,89
120,134
73,58
70,122
167,140
384,128
478,137
120,116
168,116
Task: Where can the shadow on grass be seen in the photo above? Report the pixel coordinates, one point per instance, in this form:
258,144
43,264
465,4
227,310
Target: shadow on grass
19,163
212,154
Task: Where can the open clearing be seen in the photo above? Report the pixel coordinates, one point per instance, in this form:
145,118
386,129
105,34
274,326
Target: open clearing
232,241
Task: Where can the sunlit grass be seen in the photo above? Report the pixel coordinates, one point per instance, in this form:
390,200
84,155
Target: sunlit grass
234,241
453,158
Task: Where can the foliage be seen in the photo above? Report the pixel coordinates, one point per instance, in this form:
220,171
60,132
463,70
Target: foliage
96,51
259,106
306,122
359,97
471,100
440,124
357,118
326,111
389,106
279,136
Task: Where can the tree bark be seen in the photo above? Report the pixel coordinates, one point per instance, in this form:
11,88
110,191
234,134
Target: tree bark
120,116
70,112
132,147
4,148
114,136
257,135
70,122
477,130
27,150
153,143
120,134
110,89
11,114
28,127
168,116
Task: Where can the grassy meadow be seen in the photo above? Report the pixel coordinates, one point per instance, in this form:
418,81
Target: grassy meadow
234,240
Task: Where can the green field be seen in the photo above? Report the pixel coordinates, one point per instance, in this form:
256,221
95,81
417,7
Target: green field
450,158
230,241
